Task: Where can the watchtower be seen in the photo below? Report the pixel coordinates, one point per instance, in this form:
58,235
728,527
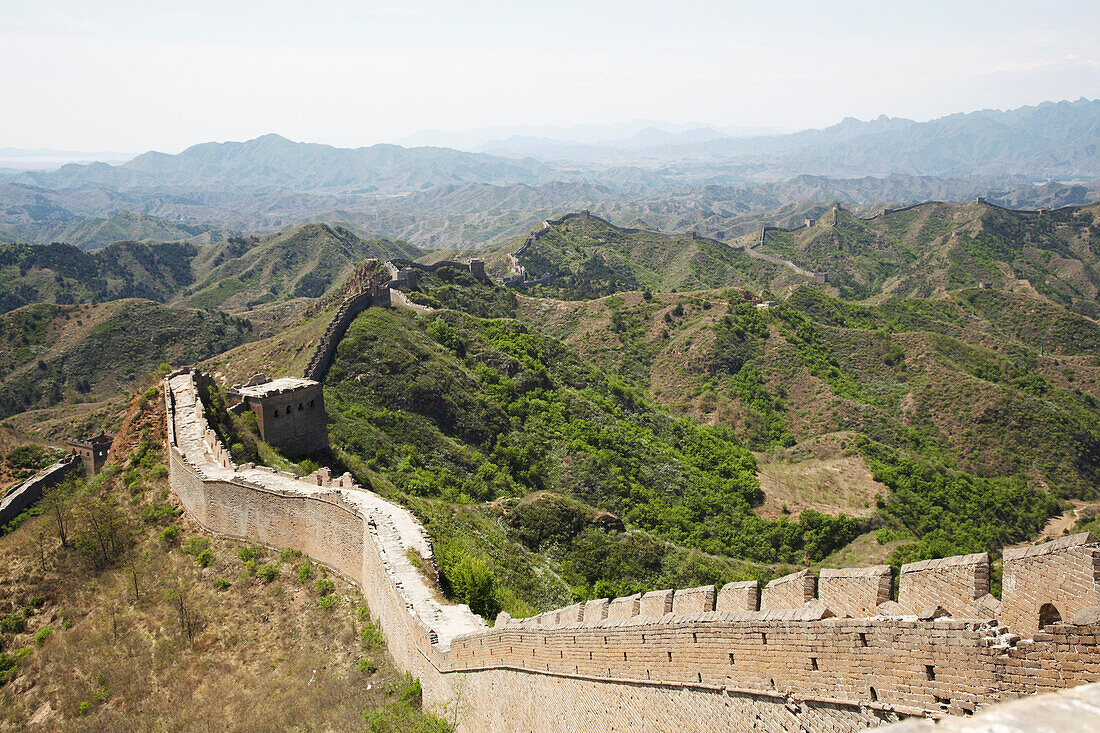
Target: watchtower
93,452
290,412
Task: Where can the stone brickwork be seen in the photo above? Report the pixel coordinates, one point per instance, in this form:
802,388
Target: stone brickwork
606,665
27,493
656,603
290,413
694,600
364,288
741,596
595,611
790,591
855,592
93,452
953,583
624,608
1051,582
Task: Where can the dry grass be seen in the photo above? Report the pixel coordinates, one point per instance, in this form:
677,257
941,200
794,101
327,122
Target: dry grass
823,474
259,656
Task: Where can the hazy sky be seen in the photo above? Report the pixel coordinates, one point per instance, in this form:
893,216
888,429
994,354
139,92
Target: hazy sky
145,74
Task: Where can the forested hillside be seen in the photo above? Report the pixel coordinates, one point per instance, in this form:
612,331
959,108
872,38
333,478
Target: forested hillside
916,252
234,274
643,419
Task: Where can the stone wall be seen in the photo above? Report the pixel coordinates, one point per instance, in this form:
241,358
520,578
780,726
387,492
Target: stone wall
15,501
855,592
1055,581
740,596
292,419
954,584
337,327
664,659
790,591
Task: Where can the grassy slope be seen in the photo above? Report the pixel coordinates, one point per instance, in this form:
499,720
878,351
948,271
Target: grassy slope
451,414
85,357
959,359
239,273
262,655
918,252
590,258
939,247
301,262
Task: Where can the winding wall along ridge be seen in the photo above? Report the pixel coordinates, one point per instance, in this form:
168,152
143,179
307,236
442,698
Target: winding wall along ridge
519,276
693,659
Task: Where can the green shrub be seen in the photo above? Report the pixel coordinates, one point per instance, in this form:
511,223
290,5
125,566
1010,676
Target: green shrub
14,623
170,535
289,555
473,582
222,584
324,586
205,559
304,571
154,513
249,553
268,572
8,664
41,635
371,636
366,666
195,545
327,602
85,706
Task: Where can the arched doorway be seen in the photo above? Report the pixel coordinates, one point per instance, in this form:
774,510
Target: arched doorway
1048,614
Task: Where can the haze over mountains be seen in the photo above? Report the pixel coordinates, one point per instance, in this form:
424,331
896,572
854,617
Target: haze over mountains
668,176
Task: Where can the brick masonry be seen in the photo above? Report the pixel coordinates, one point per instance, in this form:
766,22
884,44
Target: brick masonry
954,584
741,596
664,661
855,592
1057,579
790,591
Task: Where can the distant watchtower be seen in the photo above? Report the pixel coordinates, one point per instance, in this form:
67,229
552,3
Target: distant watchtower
290,412
93,452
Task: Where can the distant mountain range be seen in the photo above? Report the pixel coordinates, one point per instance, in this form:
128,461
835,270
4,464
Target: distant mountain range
1051,140
272,160
675,177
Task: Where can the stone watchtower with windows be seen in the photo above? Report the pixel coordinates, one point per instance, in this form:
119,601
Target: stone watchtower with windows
290,412
93,452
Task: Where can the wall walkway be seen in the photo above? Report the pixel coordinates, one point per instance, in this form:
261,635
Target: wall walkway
22,496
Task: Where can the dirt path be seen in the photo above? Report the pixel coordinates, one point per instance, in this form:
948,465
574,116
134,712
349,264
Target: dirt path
1059,525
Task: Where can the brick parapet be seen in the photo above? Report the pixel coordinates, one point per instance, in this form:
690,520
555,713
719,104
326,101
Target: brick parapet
952,583
740,596
1050,582
790,591
694,600
854,592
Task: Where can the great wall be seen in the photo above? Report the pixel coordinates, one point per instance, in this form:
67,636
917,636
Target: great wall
830,652
518,279
826,652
